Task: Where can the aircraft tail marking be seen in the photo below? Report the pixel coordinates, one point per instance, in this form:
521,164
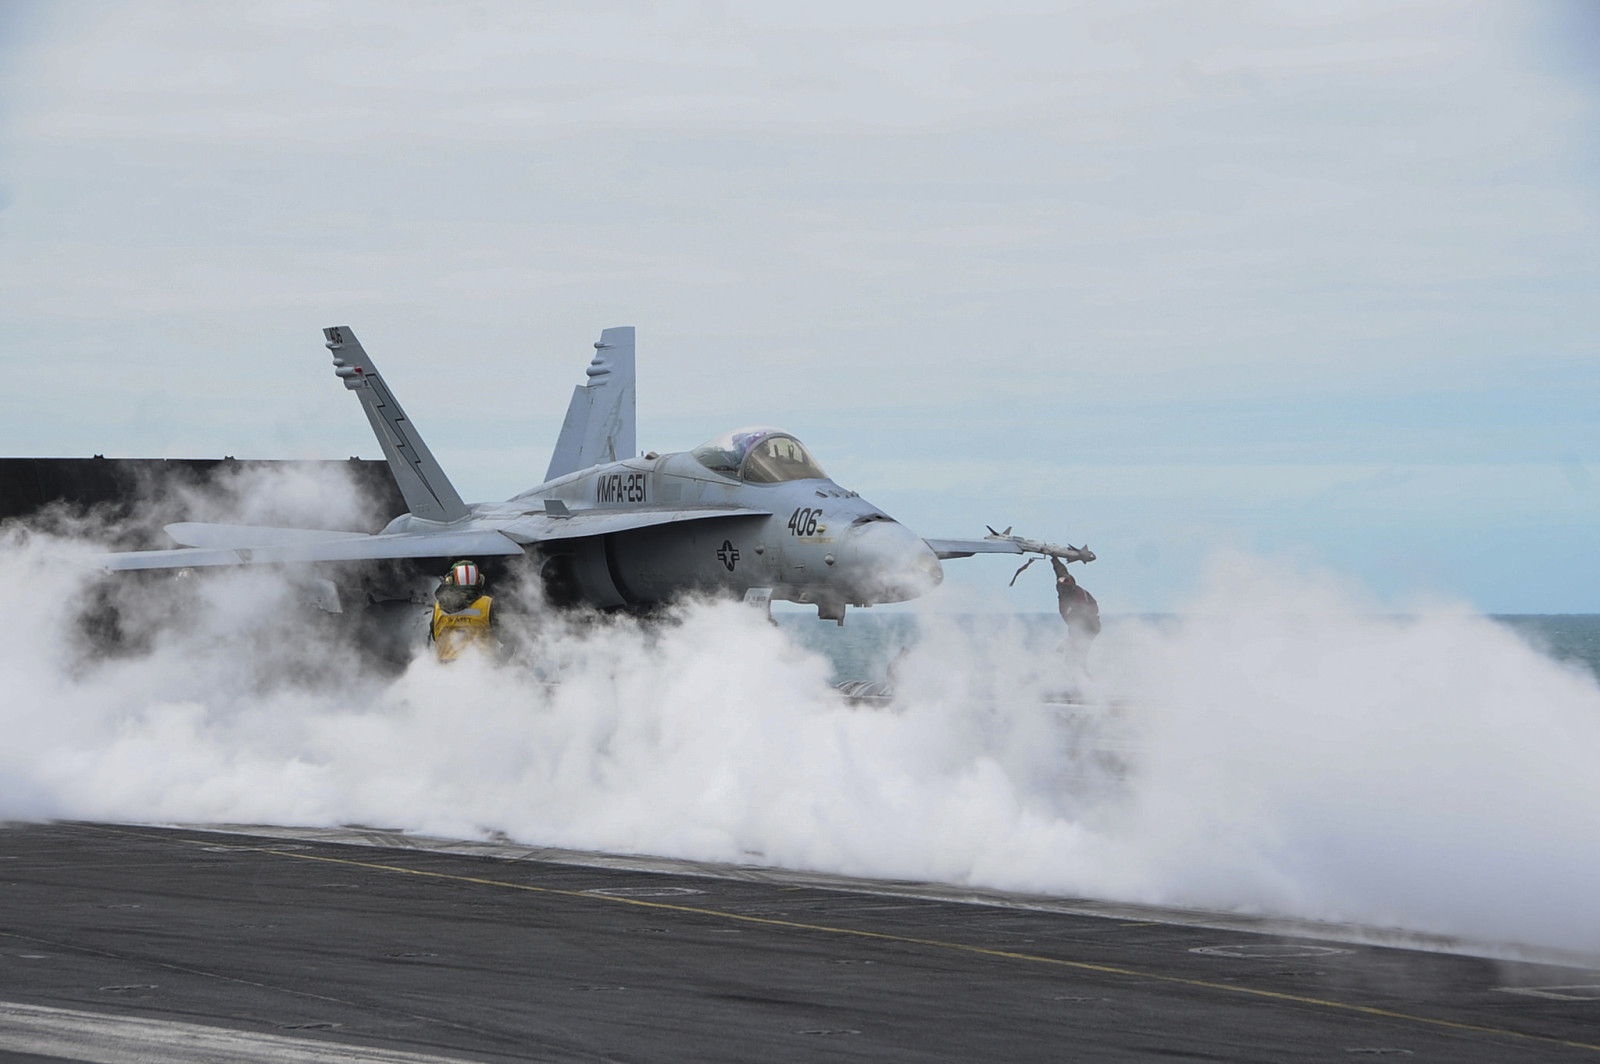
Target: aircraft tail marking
600,422
427,491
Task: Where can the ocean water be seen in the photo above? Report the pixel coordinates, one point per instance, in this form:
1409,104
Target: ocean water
1573,638
867,643
862,648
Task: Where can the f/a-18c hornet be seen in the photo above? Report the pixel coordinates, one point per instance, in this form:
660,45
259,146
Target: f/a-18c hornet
749,514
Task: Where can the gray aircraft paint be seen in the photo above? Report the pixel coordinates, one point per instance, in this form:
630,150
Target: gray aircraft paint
607,531
428,492
599,426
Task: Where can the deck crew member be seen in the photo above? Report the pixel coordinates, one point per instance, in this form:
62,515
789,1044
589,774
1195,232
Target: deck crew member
461,612
1079,610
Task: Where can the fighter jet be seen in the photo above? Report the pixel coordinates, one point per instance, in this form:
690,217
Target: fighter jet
749,514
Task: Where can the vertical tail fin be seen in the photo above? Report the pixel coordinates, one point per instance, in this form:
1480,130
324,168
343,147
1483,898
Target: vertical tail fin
600,419
428,492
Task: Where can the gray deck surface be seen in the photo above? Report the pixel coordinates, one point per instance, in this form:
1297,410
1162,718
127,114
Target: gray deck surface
139,943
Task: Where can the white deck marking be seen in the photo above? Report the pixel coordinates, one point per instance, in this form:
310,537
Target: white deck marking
1581,992
103,1038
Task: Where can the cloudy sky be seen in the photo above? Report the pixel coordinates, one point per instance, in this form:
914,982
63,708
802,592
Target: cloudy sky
1309,279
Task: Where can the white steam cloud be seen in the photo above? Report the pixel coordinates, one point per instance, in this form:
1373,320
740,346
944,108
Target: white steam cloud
1285,748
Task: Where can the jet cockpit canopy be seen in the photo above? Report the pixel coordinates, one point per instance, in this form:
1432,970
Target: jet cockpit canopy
759,456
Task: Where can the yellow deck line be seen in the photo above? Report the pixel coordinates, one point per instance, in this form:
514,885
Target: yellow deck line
983,951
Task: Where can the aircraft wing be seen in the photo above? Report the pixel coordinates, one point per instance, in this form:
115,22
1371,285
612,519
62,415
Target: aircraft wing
966,548
284,546
196,534
207,545
1006,543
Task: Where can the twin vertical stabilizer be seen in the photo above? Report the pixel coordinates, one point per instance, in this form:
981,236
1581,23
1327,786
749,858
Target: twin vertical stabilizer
600,423
428,492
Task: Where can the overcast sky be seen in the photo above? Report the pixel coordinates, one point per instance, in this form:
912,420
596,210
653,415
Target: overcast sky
1318,279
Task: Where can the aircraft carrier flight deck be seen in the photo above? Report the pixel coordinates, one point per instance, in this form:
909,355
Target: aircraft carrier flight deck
127,943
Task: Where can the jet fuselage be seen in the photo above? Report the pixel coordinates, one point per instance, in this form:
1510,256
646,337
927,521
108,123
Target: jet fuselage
808,540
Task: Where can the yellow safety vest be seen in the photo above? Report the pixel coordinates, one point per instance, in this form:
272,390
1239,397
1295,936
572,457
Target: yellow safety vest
453,633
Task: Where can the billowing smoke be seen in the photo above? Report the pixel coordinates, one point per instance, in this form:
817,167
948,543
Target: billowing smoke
1284,747
325,495
1428,770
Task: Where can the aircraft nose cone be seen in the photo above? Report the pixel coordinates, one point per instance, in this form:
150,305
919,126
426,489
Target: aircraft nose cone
883,561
